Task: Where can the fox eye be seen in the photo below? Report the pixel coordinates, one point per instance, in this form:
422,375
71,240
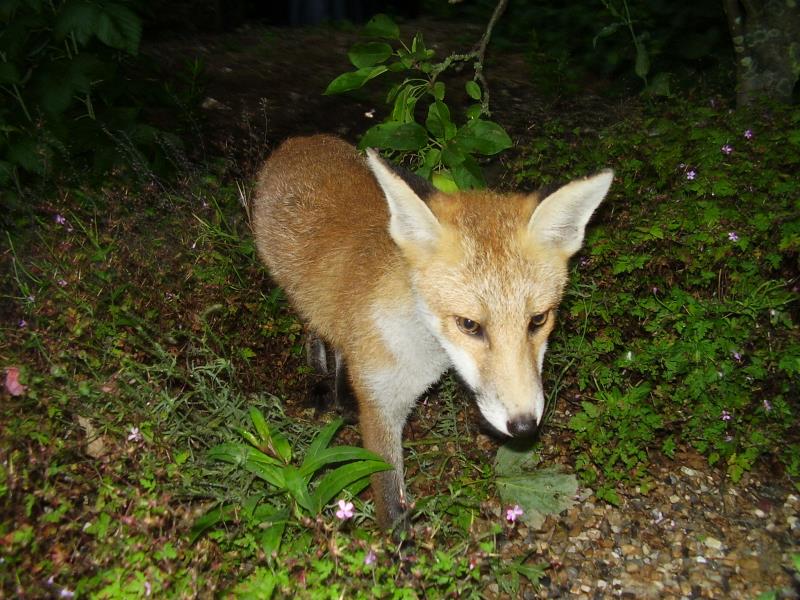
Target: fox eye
537,321
469,326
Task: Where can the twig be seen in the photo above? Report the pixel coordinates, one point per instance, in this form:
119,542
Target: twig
480,53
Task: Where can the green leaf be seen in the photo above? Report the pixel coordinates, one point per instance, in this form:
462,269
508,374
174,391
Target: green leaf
297,486
367,54
79,18
443,180
404,104
322,440
468,174
333,455
547,491
253,460
278,444
473,90
606,31
438,121
438,90
382,26
338,479
513,458
211,518
483,137
354,79
119,27
395,136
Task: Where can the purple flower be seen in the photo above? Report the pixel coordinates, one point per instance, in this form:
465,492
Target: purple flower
748,134
767,405
65,593
345,510
513,513
726,416
134,435
655,290
22,324
60,219
691,174
736,356
732,236
727,149
62,282
370,558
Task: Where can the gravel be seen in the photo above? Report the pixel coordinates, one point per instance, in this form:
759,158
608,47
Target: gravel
693,535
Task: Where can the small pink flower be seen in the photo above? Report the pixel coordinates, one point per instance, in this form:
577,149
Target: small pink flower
726,416
60,219
513,513
727,149
732,236
691,174
13,386
370,558
767,405
736,356
345,510
748,134
62,282
134,435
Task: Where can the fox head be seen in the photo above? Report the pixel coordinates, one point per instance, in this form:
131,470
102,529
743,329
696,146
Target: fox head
488,271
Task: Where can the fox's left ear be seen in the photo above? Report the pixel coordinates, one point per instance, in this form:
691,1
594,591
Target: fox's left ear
411,222
560,219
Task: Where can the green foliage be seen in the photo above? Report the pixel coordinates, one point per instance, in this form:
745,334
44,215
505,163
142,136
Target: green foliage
682,320
439,149
538,491
268,455
67,90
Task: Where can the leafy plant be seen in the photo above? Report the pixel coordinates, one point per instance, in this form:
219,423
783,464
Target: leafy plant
695,342
66,88
440,149
538,492
268,455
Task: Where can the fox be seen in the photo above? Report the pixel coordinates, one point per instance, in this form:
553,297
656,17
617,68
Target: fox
405,282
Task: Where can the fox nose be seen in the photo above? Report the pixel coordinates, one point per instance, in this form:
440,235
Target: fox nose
522,426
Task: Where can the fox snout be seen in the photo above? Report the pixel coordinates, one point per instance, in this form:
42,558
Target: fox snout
523,426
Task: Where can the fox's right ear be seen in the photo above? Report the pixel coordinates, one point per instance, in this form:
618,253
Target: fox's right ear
411,222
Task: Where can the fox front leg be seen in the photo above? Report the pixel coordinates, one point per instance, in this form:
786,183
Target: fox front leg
382,416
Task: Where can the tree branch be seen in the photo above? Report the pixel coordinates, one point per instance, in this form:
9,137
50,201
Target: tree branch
480,52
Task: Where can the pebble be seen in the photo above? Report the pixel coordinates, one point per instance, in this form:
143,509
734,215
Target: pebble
712,543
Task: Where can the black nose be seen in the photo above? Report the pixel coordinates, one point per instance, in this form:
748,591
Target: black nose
524,426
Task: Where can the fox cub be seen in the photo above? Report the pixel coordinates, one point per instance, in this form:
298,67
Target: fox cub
405,282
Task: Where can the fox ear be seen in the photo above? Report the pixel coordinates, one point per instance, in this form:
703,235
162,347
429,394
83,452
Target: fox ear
560,219
411,221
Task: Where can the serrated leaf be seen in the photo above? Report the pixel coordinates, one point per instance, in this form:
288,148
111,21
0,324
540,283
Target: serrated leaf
119,27
473,90
514,458
354,79
368,54
539,494
79,18
395,136
382,26
338,479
